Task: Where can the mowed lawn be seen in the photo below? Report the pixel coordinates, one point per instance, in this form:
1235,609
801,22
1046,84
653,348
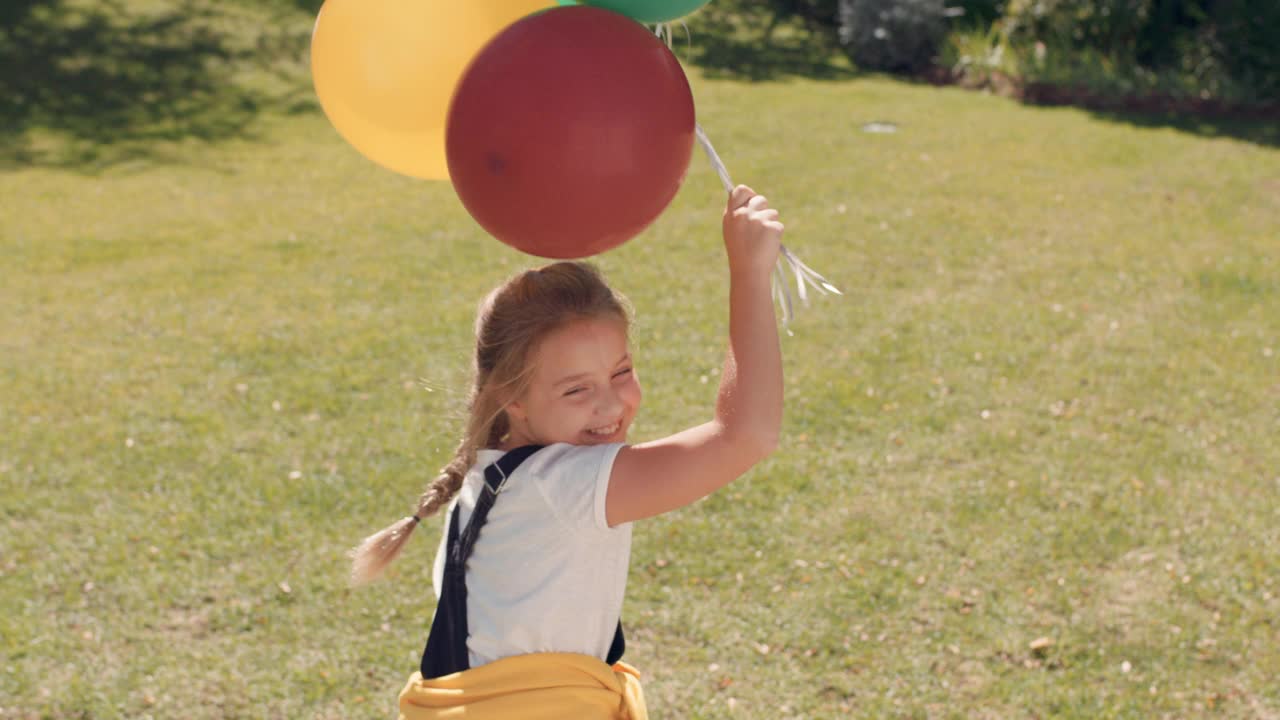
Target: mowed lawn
1030,466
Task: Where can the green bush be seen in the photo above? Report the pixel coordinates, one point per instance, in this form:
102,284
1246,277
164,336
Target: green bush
892,35
977,55
1222,48
1245,38
1213,43
1111,26
975,13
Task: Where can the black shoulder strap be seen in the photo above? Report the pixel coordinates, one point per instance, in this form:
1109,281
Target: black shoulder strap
495,480
446,650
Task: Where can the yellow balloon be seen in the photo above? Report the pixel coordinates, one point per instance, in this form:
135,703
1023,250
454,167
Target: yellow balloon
385,70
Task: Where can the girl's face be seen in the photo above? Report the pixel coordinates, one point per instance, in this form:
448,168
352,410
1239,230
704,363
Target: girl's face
583,389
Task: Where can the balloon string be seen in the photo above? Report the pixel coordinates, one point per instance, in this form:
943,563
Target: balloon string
805,276
663,31
667,35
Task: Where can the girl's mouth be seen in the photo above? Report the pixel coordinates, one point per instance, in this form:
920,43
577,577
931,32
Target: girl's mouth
606,431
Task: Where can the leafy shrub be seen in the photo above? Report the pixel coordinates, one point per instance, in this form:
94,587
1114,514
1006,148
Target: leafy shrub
978,13
1110,26
976,56
892,35
1216,44
1245,38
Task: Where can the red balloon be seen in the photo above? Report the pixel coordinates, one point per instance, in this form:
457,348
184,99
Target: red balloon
570,132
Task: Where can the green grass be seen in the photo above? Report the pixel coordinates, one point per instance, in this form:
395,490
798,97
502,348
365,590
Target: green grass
1046,407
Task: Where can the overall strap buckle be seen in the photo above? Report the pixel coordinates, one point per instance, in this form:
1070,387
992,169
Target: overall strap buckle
498,473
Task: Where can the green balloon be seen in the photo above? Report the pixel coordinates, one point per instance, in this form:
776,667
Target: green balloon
648,11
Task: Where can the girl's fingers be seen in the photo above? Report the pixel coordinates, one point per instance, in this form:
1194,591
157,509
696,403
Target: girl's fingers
740,196
757,203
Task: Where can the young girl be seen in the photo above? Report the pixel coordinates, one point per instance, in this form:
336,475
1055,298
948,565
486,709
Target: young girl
532,567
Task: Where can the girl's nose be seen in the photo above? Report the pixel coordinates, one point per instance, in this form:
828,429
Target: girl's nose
610,404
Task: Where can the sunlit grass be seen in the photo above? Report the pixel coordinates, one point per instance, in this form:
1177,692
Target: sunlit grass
1045,408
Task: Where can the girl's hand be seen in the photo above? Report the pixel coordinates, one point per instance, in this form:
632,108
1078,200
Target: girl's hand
752,233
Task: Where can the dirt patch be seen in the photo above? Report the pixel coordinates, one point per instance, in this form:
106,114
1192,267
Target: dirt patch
185,623
1135,590
1271,190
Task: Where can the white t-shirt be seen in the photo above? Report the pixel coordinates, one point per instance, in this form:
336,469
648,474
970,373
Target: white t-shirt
547,573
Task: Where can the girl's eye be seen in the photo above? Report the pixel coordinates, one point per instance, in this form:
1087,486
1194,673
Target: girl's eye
621,373
574,391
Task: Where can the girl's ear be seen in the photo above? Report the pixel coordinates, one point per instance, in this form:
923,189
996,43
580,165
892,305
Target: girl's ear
515,411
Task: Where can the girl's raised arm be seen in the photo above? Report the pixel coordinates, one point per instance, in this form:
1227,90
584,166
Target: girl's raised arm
656,477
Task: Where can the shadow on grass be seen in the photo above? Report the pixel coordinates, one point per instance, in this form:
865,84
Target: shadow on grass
311,7
88,85
725,57
1257,131
1255,124
757,44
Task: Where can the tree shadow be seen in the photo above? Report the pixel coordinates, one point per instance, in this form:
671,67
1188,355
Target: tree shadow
1257,131
723,56
760,43
311,7
92,85
1258,124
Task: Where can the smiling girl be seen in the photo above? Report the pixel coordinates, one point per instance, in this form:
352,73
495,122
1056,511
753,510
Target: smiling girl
532,567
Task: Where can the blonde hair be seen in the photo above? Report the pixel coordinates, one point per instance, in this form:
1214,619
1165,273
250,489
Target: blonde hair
512,320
